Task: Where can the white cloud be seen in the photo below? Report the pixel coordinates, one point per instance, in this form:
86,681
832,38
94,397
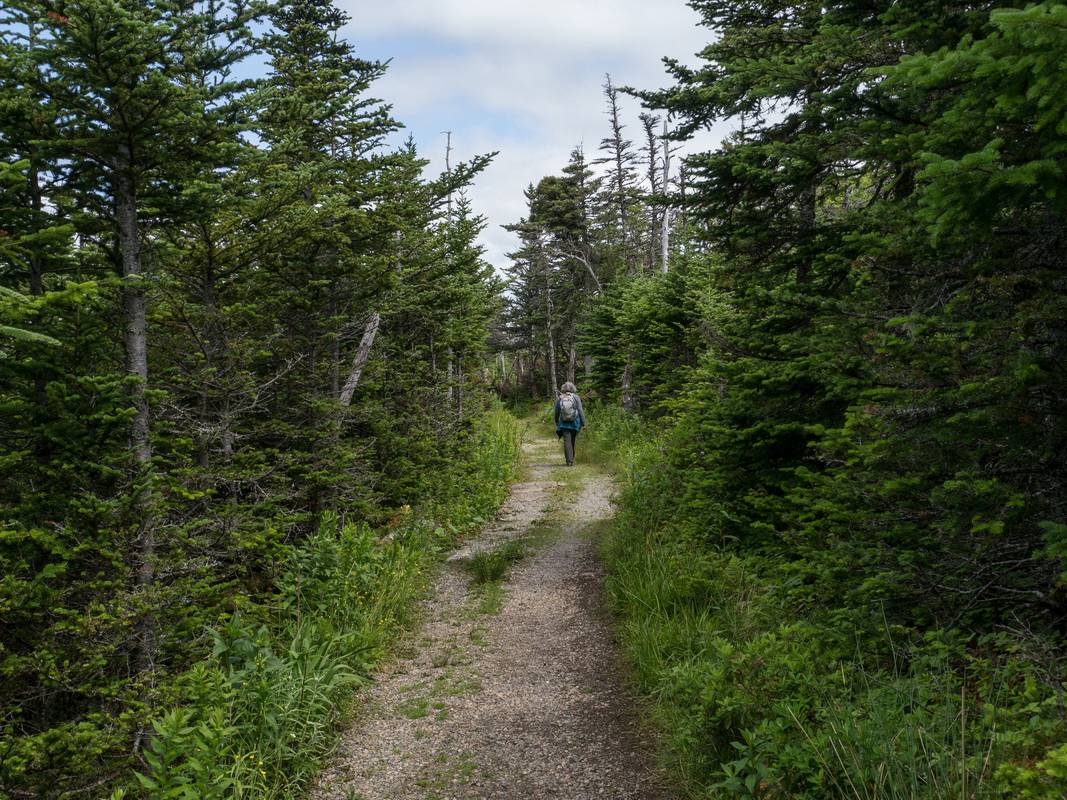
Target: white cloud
573,25
520,77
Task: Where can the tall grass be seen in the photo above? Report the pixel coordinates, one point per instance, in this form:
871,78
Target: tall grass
615,438
259,717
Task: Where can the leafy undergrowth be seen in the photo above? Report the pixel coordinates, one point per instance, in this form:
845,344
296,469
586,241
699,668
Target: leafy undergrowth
760,696
257,719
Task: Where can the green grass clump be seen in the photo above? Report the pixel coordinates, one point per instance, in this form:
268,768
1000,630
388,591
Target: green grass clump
490,566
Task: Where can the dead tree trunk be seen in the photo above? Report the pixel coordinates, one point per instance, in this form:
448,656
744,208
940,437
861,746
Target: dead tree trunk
502,366
665,234
359,360
652,175
620,156
549,333
451,391
626,395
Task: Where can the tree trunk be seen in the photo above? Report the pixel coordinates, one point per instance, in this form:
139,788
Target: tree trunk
136,343
626,386
807,228
450,376
551,354
617,154
549,335
572,363
648,121
459,385
359,361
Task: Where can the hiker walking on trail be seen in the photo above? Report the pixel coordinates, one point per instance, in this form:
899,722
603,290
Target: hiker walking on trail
570,418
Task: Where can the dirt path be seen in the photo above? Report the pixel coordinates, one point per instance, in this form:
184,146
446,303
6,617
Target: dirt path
508,692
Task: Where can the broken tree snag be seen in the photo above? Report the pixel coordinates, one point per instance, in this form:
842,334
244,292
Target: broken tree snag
359,361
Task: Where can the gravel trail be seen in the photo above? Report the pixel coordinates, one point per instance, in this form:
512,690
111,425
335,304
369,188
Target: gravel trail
517,695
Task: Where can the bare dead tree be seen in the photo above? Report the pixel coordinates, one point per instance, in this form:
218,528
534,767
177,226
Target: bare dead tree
665,235
652,176
124,187
549,332
620,156
359,360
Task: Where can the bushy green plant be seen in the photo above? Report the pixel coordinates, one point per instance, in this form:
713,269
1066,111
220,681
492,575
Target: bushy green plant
1044,779
186,758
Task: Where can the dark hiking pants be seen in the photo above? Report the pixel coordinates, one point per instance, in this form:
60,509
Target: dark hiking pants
568,445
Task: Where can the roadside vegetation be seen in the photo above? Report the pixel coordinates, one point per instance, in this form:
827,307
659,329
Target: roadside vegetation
764,685
248,351
829,358
241,338
261,713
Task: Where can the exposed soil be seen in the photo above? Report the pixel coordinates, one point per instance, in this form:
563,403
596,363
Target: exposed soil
514,692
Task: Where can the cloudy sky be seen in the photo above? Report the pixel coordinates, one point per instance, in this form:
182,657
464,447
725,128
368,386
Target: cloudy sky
520,76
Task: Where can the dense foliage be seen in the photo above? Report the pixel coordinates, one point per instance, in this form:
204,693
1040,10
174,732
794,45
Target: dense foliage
240,343
236,335
840,555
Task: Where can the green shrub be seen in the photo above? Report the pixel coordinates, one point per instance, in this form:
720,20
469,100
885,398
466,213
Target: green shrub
258,718
763,688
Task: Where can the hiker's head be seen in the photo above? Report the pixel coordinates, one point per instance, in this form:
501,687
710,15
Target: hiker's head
569,387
